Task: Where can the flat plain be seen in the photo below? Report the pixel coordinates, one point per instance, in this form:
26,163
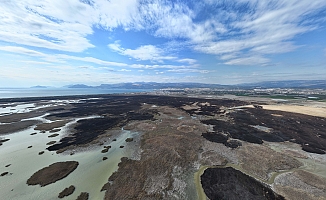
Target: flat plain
163,147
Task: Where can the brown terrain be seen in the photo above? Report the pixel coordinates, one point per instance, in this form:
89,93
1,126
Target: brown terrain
301,185
53,126
16,126
67,191
83,196
52,173
232,139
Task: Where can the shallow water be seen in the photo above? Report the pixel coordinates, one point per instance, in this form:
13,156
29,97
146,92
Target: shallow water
6,109
91,174
45,92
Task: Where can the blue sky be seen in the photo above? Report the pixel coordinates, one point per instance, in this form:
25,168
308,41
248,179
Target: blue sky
60,42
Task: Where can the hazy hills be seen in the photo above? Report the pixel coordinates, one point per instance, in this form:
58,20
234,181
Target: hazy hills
308,84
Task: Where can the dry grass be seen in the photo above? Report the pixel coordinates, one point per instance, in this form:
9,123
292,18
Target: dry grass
261,161
164,146
307,110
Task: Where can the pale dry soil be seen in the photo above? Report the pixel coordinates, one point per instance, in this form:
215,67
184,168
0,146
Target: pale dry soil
306,109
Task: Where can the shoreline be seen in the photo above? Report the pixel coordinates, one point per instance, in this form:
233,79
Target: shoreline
200,190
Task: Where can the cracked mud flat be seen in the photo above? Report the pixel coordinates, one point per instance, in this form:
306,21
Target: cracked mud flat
172,139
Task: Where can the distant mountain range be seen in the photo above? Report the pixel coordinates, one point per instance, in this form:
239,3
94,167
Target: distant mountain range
147,85
309,84
40,87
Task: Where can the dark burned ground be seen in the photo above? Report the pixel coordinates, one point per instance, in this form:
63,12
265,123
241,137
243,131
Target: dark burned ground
229,183
117,111
308,131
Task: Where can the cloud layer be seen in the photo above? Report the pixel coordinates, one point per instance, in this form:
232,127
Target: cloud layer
233,33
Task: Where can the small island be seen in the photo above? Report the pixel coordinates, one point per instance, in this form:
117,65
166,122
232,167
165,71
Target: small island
52,173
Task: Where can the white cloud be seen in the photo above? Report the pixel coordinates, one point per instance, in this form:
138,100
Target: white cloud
266,28
21,50
124,70
231,30
275,48
59,58
91,60
249,60
62,58
187,60
228,56
172,20
146,52
35,62
143,66
62,24
189,71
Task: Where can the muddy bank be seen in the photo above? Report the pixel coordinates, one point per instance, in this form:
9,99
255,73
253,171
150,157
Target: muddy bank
17,117
229,183
16,126
52,173
52,125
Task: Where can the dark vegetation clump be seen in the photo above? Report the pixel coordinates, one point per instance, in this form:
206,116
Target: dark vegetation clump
51,142
229,183
104,150
4,174
52,173
53,135
4,140
67,191
83,196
